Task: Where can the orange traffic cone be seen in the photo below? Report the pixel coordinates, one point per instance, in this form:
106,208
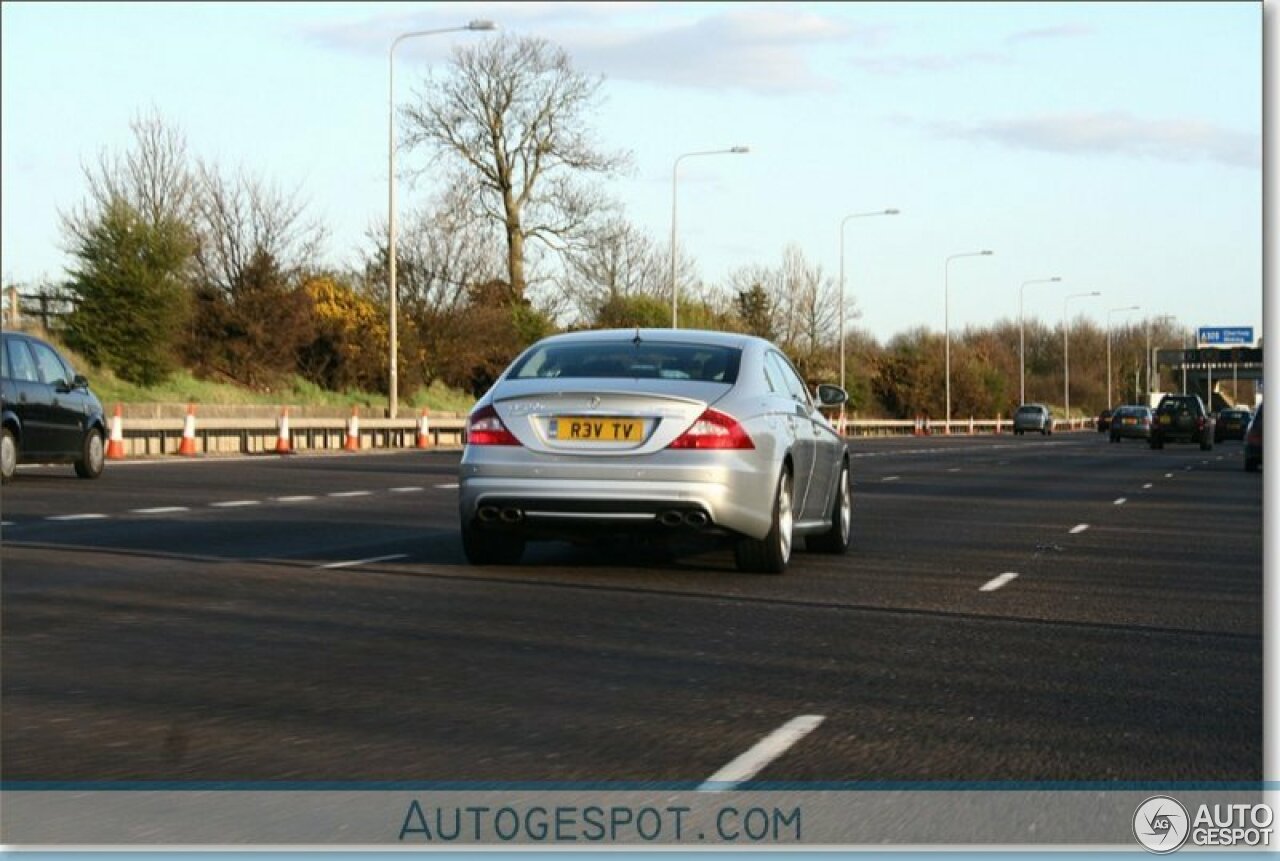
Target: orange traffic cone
353,432
188,446
115,447
424,430
283,445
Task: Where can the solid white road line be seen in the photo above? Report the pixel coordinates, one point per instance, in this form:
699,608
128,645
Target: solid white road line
168,509
234,503
63,517
352,563
763,752
1076,530
1120,501
346,493
996,582
408,489
293,498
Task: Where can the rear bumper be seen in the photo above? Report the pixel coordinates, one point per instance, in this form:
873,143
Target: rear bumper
556,493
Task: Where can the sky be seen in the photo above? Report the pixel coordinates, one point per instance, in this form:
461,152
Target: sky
1115,145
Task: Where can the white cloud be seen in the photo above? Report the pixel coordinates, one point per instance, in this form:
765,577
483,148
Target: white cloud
1058,31
1114,133
897,64
759,47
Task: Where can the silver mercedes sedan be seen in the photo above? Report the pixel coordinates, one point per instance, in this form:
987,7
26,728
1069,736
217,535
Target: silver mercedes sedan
666,430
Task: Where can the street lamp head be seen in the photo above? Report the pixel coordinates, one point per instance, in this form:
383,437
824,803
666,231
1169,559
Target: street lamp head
481,25
1055,279
891,212
740,150
987,253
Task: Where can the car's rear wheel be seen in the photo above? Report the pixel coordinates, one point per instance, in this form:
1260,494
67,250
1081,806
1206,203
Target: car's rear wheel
1206,444
1156,442
837,539
1115,437
1250,464
491,546
92,458
8,456
771,554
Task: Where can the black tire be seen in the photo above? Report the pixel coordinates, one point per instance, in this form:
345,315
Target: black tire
1250,464
1115,438
771,554
1045,431
1157,443
92,456
491,546
1206,444
8,456
840,535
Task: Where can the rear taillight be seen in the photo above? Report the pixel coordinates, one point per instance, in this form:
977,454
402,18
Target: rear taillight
714,429
485,428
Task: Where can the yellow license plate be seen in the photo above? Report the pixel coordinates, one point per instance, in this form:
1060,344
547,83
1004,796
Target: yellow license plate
1131,421
1164,420
596,429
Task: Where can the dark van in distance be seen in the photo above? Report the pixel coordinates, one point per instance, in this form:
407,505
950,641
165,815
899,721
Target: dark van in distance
48,413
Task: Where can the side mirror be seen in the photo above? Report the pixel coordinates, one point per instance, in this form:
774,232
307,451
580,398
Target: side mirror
831,396
80,382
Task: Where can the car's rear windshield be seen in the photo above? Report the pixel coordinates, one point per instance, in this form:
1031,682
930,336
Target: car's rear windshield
708,363
1029,411
1178,405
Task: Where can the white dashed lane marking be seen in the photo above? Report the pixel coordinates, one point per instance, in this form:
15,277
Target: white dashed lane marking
354,562
348,493
235,503
763,752
890,478
166,509
1076,530
293,499
408,489
1120,501
69,517
997,582
447,486
1146,486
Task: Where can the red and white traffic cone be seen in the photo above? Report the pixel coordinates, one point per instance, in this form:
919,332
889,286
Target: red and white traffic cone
353,432
424,430
188,446
115,447
283,443
918,430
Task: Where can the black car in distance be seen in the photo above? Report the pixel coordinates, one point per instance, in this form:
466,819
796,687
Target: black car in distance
1253,442
1231,424
1182,418
48,413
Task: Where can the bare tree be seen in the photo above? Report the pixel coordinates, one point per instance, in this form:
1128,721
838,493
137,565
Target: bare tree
242,220
615,260
802,301
154,178
511,113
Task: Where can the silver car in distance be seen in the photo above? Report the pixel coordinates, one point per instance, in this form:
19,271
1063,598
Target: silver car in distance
667,430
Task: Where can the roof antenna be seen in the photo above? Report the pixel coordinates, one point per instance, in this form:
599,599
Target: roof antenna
636,339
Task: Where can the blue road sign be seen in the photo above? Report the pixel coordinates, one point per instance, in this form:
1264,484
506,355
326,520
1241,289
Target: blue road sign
1226,335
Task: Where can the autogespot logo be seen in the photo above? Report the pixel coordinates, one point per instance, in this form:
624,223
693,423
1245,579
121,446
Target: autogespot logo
1161,824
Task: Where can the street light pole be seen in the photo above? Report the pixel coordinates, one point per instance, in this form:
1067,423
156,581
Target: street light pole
736,150
1066,356
1022,337
1109,313
1150,357
393,381
843,222
946,317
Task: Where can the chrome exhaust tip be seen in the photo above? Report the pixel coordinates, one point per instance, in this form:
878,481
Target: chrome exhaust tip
696,519
512,515
487,513
670,518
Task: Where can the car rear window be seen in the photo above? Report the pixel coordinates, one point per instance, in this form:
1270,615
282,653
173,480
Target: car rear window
706,363
1178,405
1029,411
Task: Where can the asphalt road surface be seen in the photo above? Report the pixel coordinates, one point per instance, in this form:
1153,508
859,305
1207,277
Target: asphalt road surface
313,618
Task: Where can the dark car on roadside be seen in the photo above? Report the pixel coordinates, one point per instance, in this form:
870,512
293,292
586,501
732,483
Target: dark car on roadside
1131,422
1182,418
1231,424
48,413
1104,420
1033,417
1253,442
